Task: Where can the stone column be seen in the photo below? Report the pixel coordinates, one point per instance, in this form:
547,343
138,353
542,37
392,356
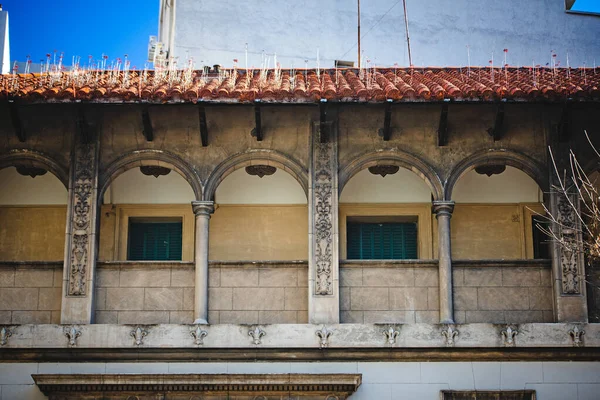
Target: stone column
323,236
81,234
568,268
202,210
443,213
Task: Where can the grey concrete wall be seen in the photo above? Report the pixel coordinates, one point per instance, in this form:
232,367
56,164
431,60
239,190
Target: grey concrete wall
30,293
380,380
502,294
216,32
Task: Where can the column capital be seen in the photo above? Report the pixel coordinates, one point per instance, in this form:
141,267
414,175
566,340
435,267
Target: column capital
203,207
442,208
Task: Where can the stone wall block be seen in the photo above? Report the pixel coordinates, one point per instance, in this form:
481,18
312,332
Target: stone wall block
125,299
277,317
238,317
258,299
184,277
31,317
220,298
143,317
344,298
49,298
458,276
181,317
351,277
465,298
426,277
272,277
388,277
510,298
520,277
540,298
5,317
100,298
214,277
188,298
433,299
519,317
7,277
546,277
58,278
164,299
390,317
145,277
495,317
369,298
107,278
13,299
239,277
427,317
408,299
34,278
302,277
107,317
296,299
483,277
352,317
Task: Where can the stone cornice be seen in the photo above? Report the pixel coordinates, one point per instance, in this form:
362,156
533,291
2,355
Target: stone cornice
109,385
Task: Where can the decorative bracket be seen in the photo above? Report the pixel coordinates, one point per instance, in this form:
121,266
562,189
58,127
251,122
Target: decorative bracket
508,336
324,334
386,131
5,333
147,131
138,334
257,131
198,335
203,126
496,131
577,336
449,334
256,335
443,126
15,118
391,335
72,333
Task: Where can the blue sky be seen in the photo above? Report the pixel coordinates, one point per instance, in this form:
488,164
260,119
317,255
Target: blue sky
81,28
586,5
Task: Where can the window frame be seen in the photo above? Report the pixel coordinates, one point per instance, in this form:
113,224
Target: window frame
154,221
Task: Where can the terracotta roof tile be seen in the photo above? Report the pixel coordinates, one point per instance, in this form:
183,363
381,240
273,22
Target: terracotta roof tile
344,85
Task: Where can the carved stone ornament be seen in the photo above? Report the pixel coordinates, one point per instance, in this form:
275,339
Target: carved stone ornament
391,335
198,335
324,334
256,335
154,170
260,170
72,333
577,336
449,334
138,334
569,256
490,169
384,170
508,336
5,333
30,171
81,214
323,218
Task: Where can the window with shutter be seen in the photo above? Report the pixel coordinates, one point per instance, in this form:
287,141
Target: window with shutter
382,241
541,241
154,241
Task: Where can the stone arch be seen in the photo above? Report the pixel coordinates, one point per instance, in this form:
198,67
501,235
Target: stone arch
150,157
255,157
398,158
512,158
35,159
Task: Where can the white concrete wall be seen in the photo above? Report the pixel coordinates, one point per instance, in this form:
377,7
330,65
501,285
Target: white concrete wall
133,187
5,66
402,187
241,188
16,189
216,32
380,380
511,186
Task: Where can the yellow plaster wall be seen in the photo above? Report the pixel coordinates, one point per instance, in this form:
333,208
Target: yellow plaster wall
259,232
32,233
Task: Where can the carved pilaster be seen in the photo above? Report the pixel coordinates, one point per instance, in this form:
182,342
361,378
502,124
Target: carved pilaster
323,228
80,243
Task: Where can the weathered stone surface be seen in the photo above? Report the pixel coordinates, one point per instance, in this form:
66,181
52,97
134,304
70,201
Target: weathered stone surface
107,317
433,298
163,299
214,277
458,276
351,277
496,317
107,277
58,277
277,317
519,317
352,317
184,277
239,277
49,299
124,299
520,277
302,277
31,317
238,317
220,298
100,298
483,277
302,317
540,298
5,317
188,298
426,277
510,298
145,277
389,317
258,299
465,298
12,299
388,277
7,277
143,317
296,298
181,317
427,317
546,277
272,277
408,298
34,278
344,298
369,298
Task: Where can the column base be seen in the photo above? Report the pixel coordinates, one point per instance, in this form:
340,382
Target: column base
200,321
447,321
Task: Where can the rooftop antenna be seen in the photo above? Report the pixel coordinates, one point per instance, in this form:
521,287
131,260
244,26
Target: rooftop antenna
359,34
407,36
468,60
246,57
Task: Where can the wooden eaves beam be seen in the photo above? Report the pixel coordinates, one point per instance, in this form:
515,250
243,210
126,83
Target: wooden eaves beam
257,130
443,126
386,131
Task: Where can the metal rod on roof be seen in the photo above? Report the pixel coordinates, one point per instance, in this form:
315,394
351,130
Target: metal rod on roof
359,34
407,35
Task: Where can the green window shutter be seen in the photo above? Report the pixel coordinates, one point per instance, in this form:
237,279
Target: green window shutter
381,241
155,241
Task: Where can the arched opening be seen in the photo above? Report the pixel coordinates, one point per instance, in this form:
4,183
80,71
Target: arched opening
33,214
260,214
495,215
